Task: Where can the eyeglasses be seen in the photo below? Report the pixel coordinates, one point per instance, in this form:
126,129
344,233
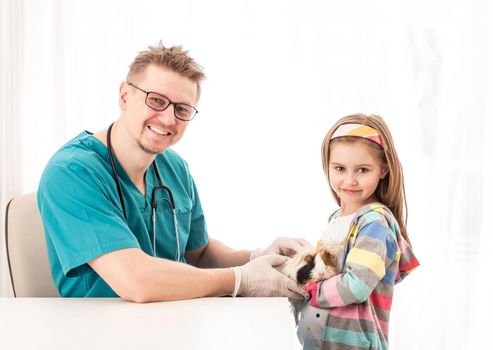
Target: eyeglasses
160,102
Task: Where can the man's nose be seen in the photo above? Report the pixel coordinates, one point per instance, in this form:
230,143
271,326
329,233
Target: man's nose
167,116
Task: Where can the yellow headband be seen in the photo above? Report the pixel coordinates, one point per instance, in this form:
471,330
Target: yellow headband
358,130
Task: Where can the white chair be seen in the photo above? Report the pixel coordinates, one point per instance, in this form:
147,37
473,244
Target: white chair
26,249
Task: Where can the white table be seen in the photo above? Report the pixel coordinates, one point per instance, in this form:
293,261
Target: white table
207,323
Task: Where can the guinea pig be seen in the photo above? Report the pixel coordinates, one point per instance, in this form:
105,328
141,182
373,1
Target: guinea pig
313,265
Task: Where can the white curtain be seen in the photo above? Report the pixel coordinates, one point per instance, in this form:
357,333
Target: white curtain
279,74
11,35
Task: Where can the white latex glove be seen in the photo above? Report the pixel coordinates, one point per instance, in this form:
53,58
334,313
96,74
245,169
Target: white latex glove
258,278
283,246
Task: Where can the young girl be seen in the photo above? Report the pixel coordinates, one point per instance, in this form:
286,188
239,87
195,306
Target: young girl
351,310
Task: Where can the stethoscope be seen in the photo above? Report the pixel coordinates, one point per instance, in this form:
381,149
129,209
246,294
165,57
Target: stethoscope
154,201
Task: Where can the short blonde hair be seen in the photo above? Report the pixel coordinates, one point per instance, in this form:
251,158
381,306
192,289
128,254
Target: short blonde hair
390,190
174,58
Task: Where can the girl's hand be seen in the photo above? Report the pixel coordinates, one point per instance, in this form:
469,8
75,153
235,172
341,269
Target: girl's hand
312,291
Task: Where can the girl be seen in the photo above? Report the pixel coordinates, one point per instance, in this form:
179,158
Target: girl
351,310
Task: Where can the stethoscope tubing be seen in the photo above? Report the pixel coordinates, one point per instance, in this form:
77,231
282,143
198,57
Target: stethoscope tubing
154,201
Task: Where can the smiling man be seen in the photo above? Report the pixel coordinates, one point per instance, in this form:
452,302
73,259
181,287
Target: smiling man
121,211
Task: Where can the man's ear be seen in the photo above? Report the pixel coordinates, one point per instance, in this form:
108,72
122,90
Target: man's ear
122,98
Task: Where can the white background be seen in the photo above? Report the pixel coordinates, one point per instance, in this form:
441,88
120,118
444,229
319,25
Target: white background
279,74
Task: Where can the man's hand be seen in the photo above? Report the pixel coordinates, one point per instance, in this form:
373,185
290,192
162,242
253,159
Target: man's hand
258,278
282,246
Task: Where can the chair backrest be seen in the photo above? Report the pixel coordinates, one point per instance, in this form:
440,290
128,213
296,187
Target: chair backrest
26,249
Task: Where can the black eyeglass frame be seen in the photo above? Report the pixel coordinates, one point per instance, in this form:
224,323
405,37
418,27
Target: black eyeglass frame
194,110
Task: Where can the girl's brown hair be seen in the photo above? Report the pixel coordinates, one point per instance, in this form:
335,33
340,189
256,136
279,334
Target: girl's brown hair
390,190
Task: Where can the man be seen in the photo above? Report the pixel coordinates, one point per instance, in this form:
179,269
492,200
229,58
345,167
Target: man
98,193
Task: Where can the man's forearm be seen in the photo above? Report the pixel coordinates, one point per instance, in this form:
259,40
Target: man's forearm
218,255
138,277
168,280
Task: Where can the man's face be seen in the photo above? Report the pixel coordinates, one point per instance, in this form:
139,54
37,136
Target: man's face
154,131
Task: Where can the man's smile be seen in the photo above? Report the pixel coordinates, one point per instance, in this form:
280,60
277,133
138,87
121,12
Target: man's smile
159,131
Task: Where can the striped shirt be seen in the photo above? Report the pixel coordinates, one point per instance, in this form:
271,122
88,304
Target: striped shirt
357,302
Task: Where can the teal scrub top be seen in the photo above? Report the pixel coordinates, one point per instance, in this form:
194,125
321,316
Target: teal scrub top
83,219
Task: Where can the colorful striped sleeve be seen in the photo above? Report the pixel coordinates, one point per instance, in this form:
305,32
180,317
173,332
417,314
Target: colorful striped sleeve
365,266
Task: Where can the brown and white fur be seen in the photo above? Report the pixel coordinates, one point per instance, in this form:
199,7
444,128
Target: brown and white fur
312,265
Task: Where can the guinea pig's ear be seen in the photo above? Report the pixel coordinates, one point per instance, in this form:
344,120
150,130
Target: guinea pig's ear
309,258
327,257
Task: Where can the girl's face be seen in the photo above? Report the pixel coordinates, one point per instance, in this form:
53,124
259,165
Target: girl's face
354,174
